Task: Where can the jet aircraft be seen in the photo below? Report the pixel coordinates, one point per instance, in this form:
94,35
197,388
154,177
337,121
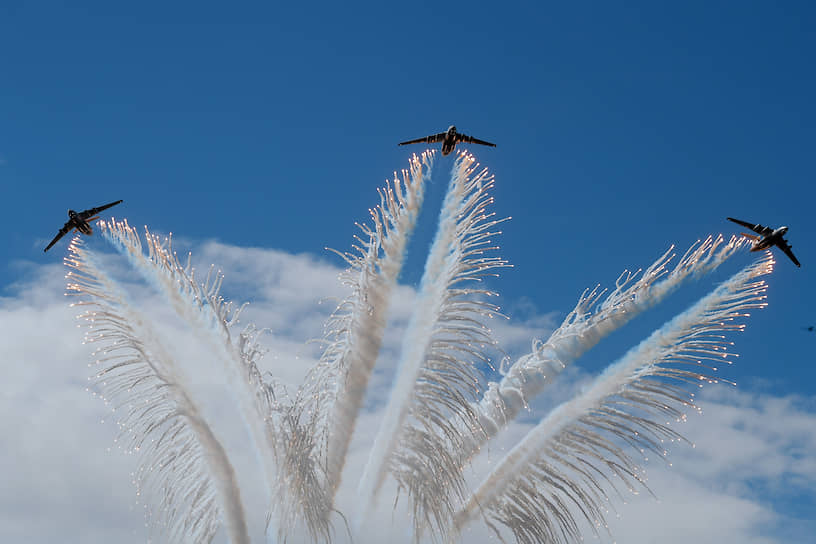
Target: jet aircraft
767,237
449,139
80,221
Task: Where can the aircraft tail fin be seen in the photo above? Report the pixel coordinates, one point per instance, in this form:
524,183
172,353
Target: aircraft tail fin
751,236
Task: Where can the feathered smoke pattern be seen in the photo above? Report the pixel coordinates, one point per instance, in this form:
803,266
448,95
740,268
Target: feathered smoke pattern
563,477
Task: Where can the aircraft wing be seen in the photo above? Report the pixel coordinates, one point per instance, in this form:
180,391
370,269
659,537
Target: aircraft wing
432,139
471,140
94,211
759,229
62,232
784,246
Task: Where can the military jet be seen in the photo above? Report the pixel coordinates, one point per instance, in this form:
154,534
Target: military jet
449,139
80,221
767,237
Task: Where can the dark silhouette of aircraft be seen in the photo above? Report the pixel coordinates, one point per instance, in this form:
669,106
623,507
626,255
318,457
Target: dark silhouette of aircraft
767,237
811,328
449,139
80,221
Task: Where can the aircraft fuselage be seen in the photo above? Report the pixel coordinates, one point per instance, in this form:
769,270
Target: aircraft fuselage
770,240
81,224
449,143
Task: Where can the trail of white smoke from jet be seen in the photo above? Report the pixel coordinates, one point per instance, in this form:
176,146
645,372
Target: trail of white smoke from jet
180,455
582,329
441,330
211,318
317,429
356,328
562,461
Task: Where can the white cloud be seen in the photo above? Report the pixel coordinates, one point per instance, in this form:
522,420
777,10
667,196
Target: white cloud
754,454
58,476
751,451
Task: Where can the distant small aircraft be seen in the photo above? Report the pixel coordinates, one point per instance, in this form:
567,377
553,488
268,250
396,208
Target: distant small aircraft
80,221
449,139
811,328
767,237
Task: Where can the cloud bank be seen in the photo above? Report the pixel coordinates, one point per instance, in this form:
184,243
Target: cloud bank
753,463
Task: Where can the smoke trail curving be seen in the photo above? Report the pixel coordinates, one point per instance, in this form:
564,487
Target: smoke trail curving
181,460
438,376
557,478
211,317
355,329
565,461
582,329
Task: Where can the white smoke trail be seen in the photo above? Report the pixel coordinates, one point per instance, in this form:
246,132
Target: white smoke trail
582,329
355,329
181,459
564,460
211,318
437,377
434,422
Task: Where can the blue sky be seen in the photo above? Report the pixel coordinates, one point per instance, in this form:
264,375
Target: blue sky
620,131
